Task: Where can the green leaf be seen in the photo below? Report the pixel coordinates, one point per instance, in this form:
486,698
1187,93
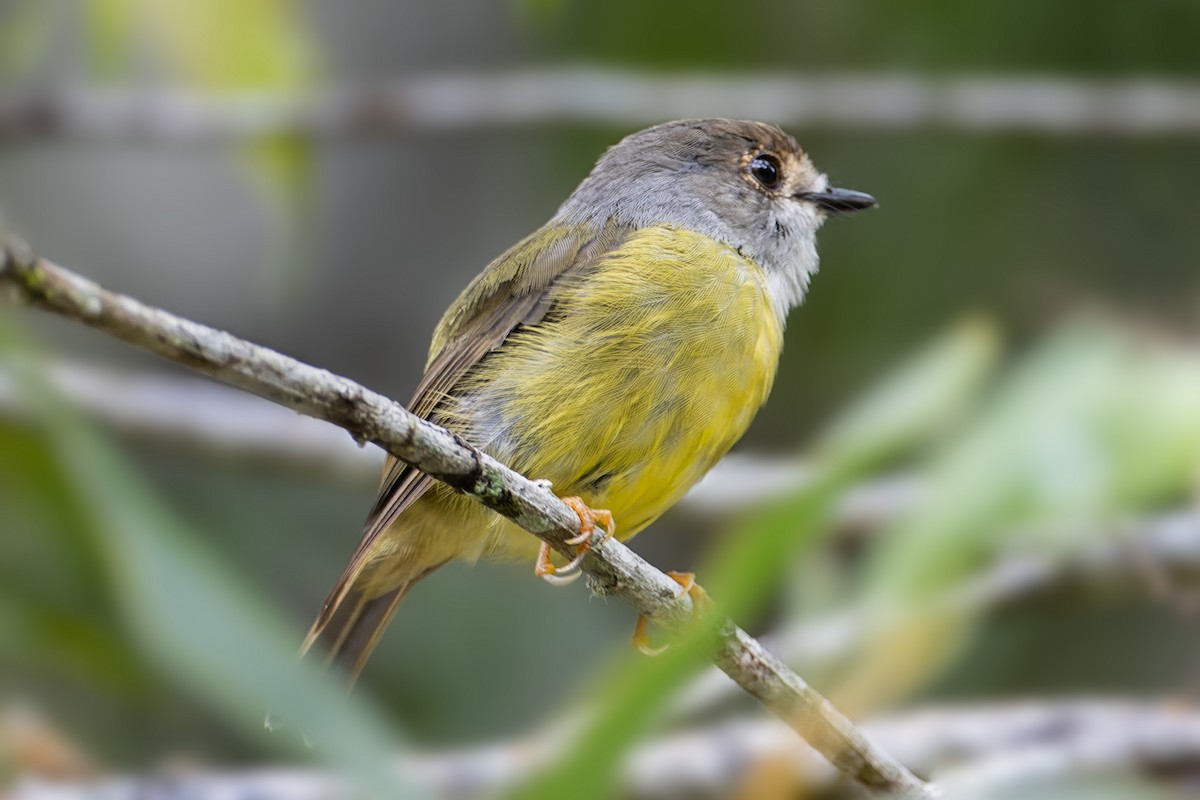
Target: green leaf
1093,427
1089,427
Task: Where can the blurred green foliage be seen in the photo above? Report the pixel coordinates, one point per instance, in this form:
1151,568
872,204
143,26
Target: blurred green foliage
1093,426
231,46
183,610
936,35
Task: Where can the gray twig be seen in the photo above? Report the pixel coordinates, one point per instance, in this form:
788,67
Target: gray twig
370,417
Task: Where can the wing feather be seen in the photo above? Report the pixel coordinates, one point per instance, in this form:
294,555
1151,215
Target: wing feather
512,291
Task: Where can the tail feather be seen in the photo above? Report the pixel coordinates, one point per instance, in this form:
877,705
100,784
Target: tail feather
351,623
349,636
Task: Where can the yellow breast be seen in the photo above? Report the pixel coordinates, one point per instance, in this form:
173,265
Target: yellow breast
665,350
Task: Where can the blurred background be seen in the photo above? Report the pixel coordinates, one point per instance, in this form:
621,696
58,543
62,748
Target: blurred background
973,488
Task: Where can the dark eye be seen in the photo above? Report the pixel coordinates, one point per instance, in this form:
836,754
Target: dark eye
765,169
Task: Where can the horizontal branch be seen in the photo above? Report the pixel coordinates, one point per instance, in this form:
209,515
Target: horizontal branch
370,417
1040,104
194,415
1076,740
199,416
983,751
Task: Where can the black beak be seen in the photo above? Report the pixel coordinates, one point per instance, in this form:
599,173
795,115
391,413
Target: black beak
836,201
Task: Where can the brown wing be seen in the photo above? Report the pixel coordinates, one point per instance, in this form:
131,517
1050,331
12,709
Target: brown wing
510,292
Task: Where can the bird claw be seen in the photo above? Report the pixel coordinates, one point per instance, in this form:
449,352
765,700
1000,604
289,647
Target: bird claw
588,518
641,638
545,569
701,604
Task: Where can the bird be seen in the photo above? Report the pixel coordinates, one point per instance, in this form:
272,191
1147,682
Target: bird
617,353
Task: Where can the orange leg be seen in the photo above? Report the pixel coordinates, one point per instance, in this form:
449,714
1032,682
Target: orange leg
588,519
701,604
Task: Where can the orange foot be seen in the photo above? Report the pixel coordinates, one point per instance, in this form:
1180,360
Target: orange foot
701,603
588,519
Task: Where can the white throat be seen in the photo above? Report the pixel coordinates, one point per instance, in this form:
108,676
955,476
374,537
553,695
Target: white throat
789,257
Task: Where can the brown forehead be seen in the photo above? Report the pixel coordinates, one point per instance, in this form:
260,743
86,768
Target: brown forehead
724,142
761,138
752,136
771,139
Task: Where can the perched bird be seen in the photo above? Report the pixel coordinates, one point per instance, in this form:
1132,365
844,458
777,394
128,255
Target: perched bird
618,351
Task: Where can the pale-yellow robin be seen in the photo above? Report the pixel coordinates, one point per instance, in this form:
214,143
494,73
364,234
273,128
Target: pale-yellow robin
618,351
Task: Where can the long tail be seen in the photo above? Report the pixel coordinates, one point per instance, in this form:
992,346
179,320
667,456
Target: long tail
351,624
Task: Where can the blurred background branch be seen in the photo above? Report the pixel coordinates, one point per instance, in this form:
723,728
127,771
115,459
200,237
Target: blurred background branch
976,751
204,418
1046,104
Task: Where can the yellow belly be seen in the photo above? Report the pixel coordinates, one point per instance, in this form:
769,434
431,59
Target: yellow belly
669,349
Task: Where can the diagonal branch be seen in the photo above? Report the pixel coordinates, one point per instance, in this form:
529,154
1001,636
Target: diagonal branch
370,417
